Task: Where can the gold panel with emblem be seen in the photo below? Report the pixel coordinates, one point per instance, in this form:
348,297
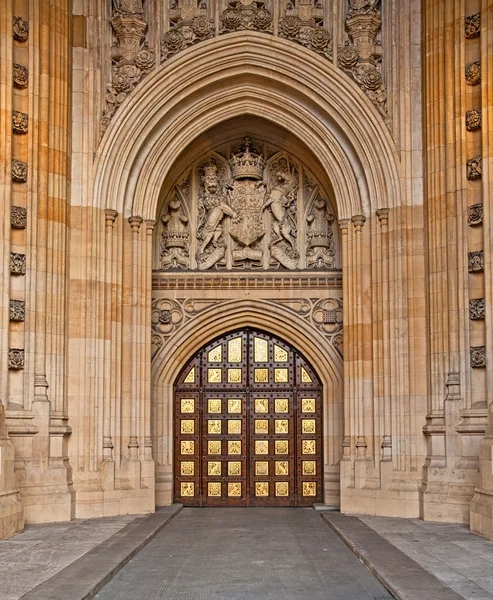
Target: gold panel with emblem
234,375
282,488
187,488
261,467
214,488
234,350
261,350
214,467
187,426
261,488
187,467
214,405
215,355
234,467
187,405
261,375
234,489
234,426
261,426
261,405
281,405
214,426
234,405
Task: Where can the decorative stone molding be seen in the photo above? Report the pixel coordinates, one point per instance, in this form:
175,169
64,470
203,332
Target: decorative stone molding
473,73
110,216
474,167
303,23
17,310
19,170
246,15
478,357
476,261
472,26
16,359
475,214
17,263
473,119
19,122
18,217
20,76
358,222
476,309
20,29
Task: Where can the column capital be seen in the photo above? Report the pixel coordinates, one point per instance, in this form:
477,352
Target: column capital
344,225
110,216
383,216
358,222
135,223
150,225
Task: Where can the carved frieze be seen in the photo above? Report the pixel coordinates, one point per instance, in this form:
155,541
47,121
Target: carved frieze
19,170
20,76
19,122
476,261
473,73
473,119
474,168
175,239
17,263
476,309
246,14
17,310
472,26
20,29
16,359
478,357
320,249
475,214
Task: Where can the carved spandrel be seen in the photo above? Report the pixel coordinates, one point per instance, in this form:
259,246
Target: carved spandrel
18,217
246,14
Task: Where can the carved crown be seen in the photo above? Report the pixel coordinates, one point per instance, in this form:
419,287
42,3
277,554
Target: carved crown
247,164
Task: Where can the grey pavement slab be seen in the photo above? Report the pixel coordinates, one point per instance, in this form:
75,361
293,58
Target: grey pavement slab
245,554
82,578
397,567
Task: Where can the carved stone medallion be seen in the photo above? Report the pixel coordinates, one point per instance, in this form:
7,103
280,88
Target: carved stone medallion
472,26
476,309
17,310
478,357
16,359
475,214
474,168
476,261
473,73
473,119
19,122
20,76
18,217
19,171
17,263
20,29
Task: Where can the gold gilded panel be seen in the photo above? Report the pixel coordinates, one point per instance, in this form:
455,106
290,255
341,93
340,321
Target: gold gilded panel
234,375
216,354
308,425
214,375
261,488
187,405
282,447
234,405
234,447
213,447
261,350
214,405
281,405
261,467
282,467
261,447
234,350
261,375
187,426
281,426
308,446
309,467
308,405
187,488
305,377
187,467
234,426
282,488
187,447
261,426
261,405
280,355
214,426
234,489
190,378
234,468
309,488
213,488
281,375
214,467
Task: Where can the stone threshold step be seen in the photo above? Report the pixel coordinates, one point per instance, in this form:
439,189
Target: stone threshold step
84,578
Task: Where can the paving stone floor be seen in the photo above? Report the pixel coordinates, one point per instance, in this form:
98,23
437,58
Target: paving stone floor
459,558
245,554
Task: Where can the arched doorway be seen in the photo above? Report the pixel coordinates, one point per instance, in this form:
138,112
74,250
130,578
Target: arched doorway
248,425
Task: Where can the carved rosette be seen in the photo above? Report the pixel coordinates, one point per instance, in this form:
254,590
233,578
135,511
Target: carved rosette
18,217
475,214
476,261
308,33
473,73
19,171
185,33
478,357
20,29
472,26
246,14
17,263
16,359
17,310
473,119
19,122
474,168
476,309
20,76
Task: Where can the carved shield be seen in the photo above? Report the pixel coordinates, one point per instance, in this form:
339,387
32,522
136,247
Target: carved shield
247,199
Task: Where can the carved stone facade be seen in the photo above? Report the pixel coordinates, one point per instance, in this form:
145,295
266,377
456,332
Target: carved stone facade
20,29
478,357
474,168
476,261
472,26
475,214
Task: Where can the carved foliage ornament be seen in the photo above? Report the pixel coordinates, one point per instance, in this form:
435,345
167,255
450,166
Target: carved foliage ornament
18,217
20,29
476,309
16,359
473,119
472,26
476,261
17,310
19,122
473,73
20,76
304,25
478,357
19,171
17,263
474,167
475,214
246,14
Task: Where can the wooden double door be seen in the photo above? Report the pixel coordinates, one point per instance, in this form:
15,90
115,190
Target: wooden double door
248,425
